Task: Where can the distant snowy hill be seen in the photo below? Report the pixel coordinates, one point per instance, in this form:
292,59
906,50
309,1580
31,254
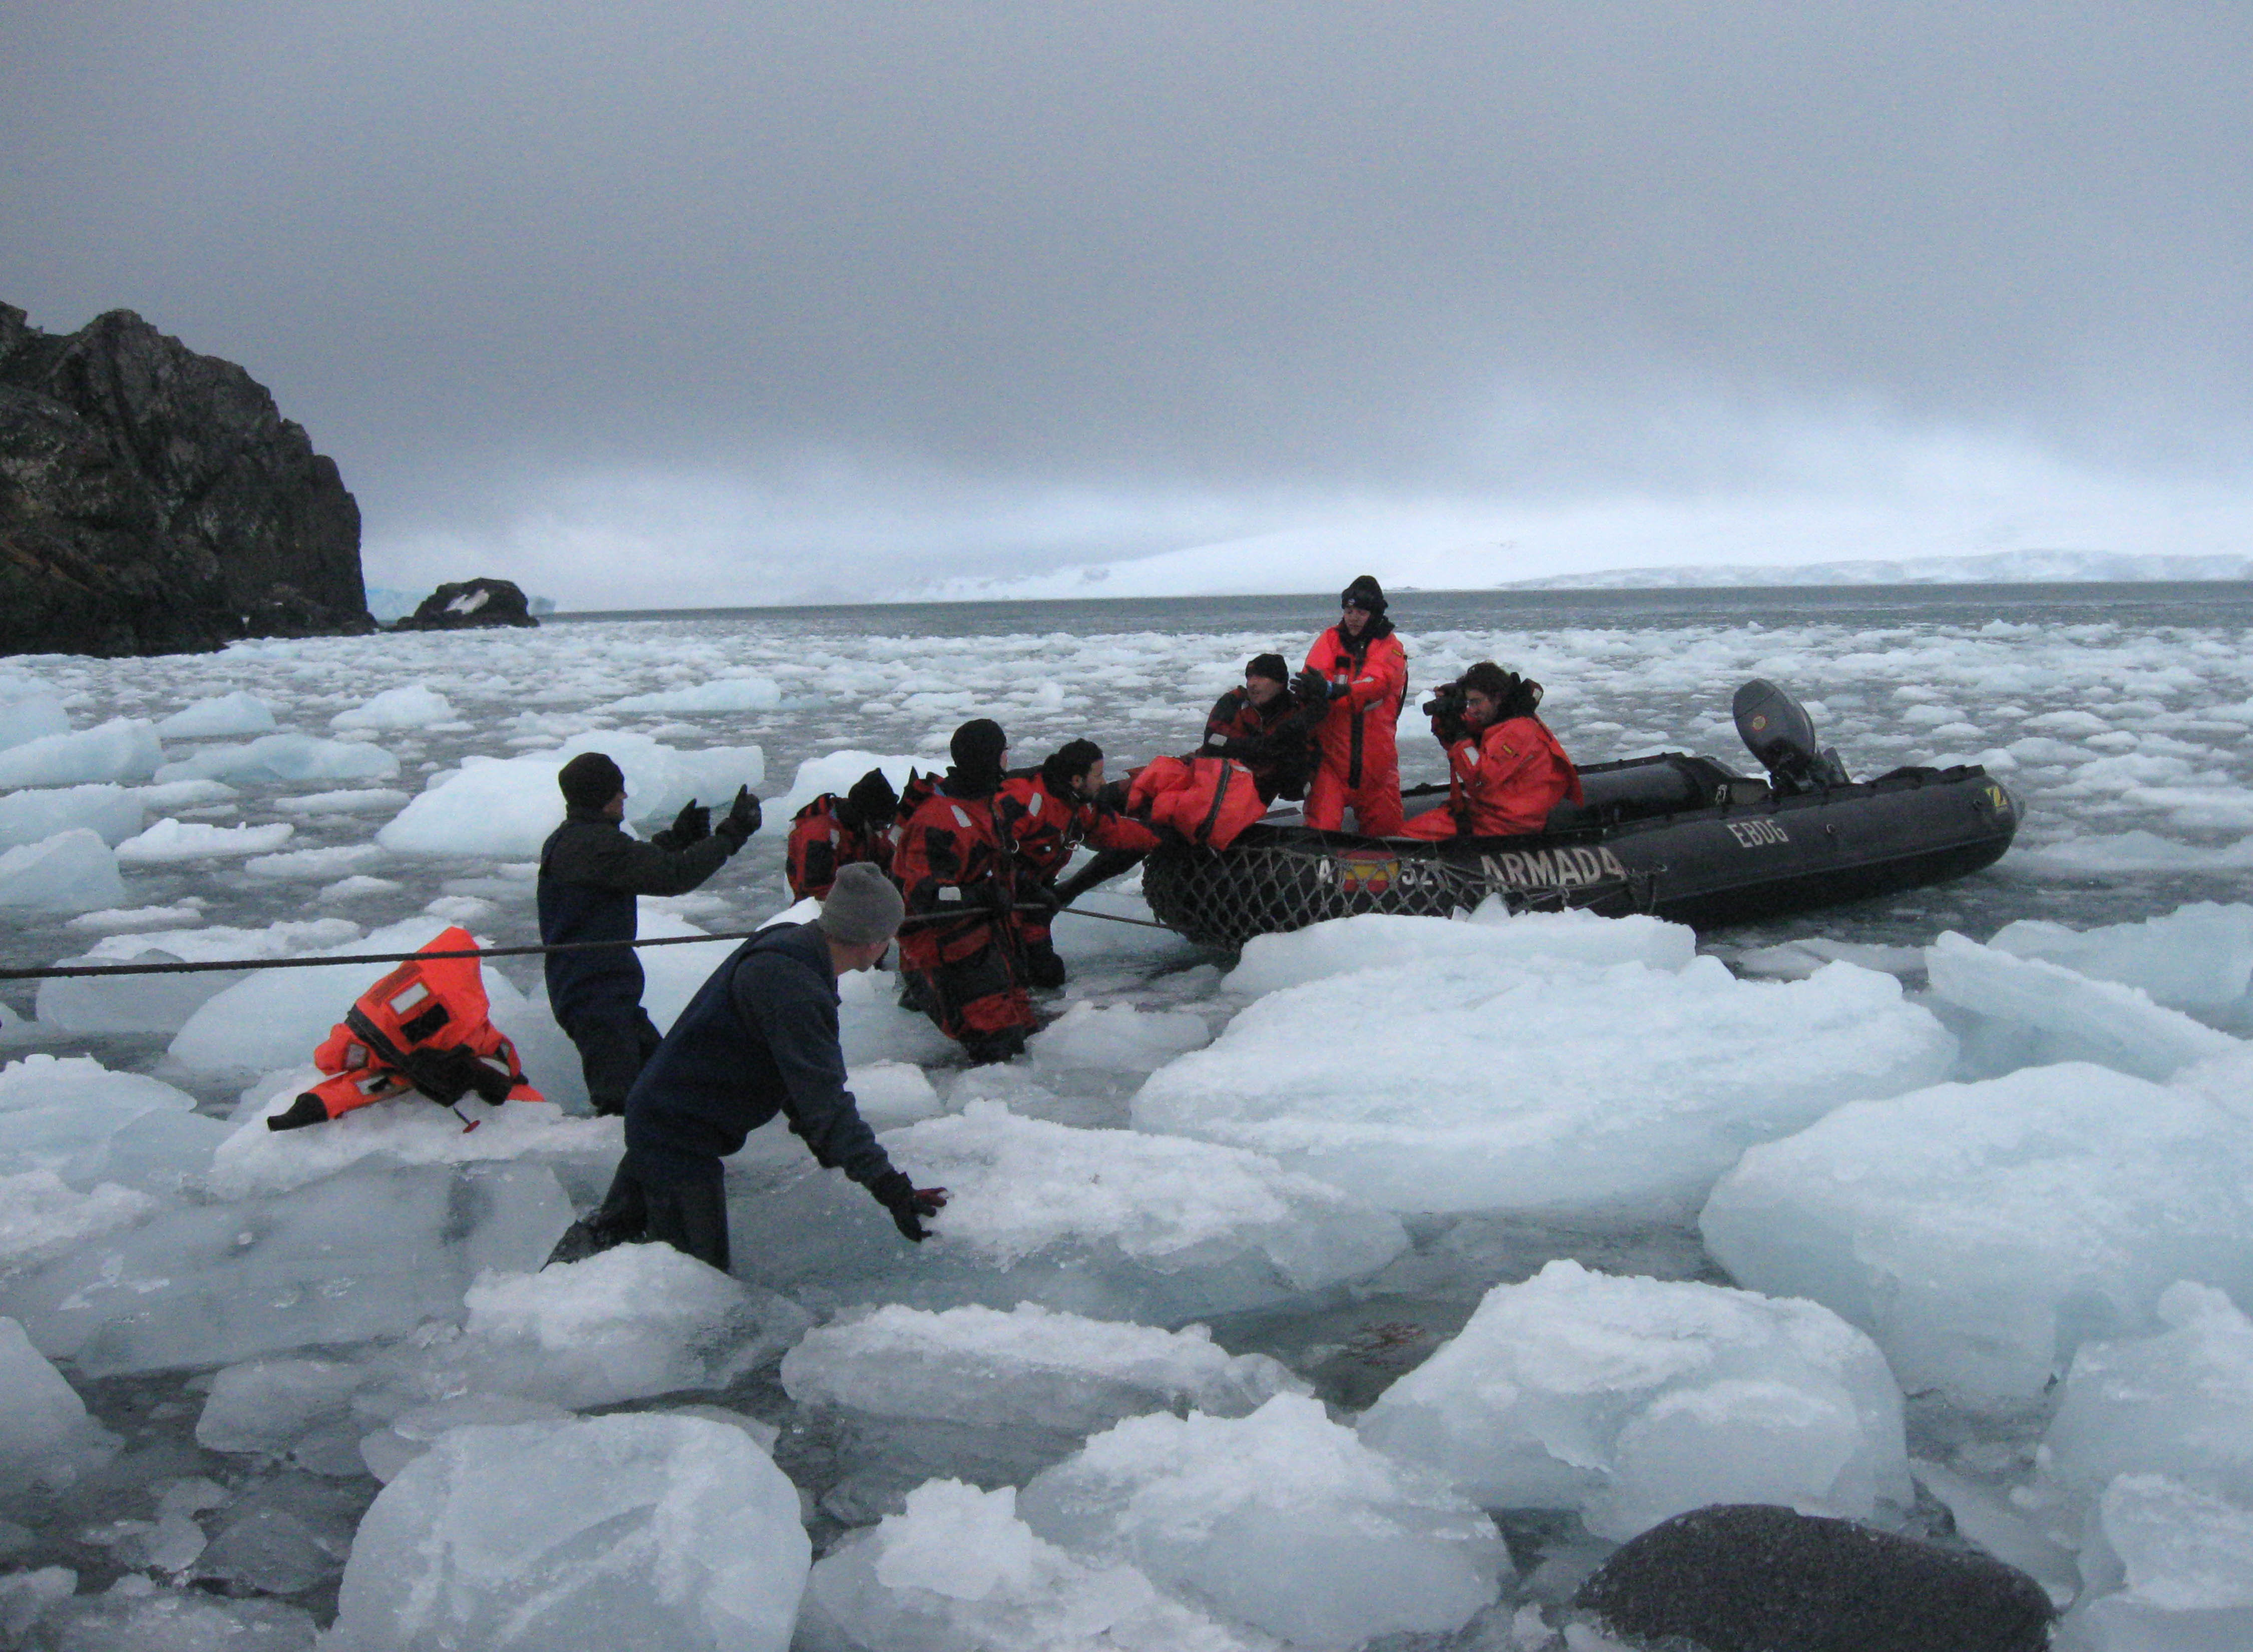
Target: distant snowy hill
2001,568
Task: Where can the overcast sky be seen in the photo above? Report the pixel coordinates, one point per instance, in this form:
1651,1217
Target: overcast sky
732,302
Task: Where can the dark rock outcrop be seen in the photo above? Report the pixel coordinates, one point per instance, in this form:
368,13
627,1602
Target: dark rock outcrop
1754,1578
153,500
476,602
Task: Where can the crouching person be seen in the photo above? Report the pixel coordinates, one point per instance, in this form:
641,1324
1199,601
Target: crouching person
759,1038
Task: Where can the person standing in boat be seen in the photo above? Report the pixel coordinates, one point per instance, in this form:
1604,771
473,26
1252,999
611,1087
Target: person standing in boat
1354,681
1264,727
1505,770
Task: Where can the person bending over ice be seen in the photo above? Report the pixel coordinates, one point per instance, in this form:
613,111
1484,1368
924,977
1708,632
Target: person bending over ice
1505,770
759,1038
1044,814
589,872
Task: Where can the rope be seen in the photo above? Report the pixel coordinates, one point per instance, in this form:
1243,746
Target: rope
68,972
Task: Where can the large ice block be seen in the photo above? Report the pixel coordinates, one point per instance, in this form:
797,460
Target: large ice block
46,1439
2165,1568
368,1253
1482,1078
284,759
1112,1224
109,811
72,871
1029,1367
2178,1404
2197,958
957,1570
89,1125
1983,1232
1281,1520
1632,1400
124,750
2029,1012
659,1533
1381,941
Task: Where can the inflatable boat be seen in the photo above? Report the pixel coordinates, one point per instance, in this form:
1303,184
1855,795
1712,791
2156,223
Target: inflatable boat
1683,837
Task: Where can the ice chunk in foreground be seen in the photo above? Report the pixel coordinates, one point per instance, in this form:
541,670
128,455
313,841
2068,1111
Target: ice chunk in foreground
42,1215
1106,1223
285,758
624,1324
270,1406
958,1572
2165,1568
28,711
1282,1520
72,1116
1029,1367
109,811
2036,1012
2180,1403
146,1620
46,1436
124,750
72,871
1386,940
410,706
1488,1078
409,1130
1633,1400
171,840
240,713
1983,1232
1116,1037
657,1533
415,1431
365,1254
2198,958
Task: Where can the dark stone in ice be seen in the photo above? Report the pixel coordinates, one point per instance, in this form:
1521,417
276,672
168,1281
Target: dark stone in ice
1754,1578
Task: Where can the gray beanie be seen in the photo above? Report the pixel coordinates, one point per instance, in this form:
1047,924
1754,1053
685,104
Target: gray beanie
863,905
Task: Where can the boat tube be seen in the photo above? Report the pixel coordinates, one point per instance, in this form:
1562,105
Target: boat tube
1683,837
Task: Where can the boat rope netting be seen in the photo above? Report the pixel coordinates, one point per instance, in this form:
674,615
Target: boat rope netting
1264,886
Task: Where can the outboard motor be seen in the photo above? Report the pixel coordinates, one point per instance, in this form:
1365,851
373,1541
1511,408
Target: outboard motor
1780,732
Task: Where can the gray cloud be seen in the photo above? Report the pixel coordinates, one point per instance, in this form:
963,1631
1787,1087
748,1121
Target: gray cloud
1208,256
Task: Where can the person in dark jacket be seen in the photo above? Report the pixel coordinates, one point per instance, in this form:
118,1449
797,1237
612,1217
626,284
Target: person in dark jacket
1266,729
589,872
759,1038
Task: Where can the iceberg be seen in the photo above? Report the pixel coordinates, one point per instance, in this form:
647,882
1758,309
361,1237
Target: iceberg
1633,1400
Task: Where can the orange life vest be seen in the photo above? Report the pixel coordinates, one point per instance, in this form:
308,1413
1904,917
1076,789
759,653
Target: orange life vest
426,1026
1207,800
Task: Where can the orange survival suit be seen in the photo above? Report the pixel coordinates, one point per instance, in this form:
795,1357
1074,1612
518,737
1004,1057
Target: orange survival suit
1043,821
960,962
822,842
424,1027
1503,781
1207,800
1359,761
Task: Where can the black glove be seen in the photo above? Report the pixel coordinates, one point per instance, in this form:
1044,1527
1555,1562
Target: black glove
1042,897
1112,795
742,820
447,1075
691,825
1310,687
908,1204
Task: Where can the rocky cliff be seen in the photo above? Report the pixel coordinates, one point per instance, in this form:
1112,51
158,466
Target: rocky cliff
154,501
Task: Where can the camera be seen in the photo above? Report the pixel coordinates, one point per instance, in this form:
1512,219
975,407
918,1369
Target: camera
1447,701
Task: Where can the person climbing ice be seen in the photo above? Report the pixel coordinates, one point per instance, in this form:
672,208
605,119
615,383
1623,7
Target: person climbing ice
759,1038
1354,682
1505,770
1044,814
590,872
959,957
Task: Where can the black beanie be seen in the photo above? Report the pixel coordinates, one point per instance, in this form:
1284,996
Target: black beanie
873,796
1067,764
977,748
1269,666
590,780
1364,592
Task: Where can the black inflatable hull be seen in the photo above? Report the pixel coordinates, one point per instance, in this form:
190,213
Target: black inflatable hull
1679,837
